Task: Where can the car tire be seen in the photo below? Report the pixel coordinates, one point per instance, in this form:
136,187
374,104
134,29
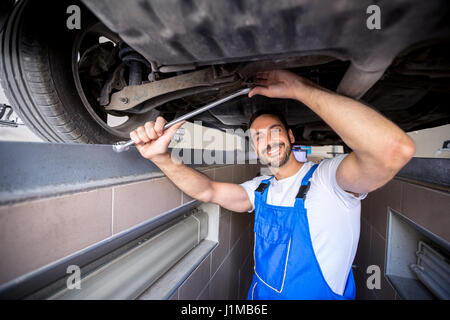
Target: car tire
36,73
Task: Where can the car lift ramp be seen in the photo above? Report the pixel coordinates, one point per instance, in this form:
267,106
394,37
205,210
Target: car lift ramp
39,170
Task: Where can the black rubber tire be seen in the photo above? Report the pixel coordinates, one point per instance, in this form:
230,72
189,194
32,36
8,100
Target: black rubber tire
36,73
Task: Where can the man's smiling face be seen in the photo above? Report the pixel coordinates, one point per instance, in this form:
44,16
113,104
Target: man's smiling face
271,140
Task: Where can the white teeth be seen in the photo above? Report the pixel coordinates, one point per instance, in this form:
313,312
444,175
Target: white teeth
274,151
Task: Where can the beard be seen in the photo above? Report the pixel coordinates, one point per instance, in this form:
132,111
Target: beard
277,163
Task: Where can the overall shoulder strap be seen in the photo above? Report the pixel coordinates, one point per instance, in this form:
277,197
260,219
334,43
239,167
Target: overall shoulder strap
263,185
304,187
261,194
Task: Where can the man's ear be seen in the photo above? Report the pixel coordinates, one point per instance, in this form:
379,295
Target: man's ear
291,136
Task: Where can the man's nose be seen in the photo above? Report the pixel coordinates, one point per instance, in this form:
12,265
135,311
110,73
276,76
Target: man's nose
273,139
273,136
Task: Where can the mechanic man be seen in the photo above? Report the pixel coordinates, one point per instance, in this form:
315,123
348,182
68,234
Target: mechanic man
304,246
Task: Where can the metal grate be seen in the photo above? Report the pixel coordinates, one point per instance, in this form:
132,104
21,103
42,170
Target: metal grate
130,274
433,270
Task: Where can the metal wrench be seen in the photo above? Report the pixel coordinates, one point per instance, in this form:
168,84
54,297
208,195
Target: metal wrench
125,145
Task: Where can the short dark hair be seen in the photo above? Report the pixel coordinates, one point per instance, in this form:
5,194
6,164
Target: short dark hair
271,112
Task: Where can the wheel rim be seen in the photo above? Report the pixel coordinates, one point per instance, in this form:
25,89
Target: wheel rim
121,130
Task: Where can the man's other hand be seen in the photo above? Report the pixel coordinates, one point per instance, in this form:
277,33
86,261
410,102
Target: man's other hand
280,84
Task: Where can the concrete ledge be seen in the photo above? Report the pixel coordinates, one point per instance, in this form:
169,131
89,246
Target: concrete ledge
31,170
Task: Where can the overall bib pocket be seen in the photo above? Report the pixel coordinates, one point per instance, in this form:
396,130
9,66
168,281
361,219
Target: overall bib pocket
272,245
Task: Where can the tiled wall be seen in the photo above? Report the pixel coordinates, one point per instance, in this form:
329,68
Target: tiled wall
38,232
425,206
226,273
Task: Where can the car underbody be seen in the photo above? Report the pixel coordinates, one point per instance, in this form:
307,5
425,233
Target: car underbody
170,57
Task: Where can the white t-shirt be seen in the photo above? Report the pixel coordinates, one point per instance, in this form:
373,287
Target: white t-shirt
333,216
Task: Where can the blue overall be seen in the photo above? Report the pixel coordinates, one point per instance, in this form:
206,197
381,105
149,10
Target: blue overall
285,264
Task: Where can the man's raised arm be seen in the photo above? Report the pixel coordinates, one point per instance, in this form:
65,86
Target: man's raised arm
380,148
